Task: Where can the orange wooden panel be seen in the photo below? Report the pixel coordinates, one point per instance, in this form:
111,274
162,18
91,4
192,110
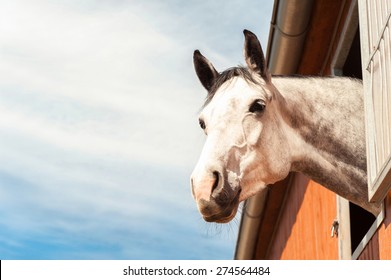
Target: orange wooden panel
379,247
305,225
320,35
385,232
371,251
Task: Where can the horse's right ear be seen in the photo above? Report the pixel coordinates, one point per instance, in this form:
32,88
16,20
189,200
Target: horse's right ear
205,70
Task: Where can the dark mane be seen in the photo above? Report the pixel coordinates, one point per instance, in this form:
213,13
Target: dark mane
227,75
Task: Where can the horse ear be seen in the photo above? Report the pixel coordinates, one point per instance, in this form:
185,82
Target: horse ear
254,55
205,70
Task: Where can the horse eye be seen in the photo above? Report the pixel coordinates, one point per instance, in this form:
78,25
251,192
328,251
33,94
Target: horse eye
202,124
257,107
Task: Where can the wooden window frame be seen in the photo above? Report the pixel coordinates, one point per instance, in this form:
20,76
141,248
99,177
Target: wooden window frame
344,234
379,170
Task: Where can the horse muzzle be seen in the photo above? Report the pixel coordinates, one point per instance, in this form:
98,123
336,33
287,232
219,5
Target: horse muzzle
217,200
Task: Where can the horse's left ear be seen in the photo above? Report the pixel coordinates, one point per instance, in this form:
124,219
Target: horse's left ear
254,55
205,70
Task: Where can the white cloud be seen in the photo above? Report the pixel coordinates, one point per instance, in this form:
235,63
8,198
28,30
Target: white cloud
112,60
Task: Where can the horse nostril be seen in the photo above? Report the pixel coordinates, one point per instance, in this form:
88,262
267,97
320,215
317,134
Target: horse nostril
216,182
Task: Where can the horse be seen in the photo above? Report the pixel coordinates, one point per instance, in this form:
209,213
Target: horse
260,127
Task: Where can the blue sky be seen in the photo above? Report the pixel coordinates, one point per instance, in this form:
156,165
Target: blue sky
98,125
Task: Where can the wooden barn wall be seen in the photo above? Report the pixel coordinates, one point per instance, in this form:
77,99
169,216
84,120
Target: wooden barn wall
305,223
385,232
328,19
379,247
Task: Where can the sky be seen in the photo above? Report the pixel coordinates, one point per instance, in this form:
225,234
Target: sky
98,125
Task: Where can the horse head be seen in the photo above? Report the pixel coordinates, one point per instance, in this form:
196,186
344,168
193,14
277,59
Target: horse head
243,151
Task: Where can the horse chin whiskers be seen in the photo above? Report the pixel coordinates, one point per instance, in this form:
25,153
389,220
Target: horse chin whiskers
227,229
224,216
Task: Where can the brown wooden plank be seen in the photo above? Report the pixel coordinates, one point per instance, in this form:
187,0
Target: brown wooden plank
320,35
304,226
379,247
274,203
371,251
385,232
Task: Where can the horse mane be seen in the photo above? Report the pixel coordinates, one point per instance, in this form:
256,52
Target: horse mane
248,76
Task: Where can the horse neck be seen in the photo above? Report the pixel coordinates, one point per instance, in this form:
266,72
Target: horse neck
324,122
